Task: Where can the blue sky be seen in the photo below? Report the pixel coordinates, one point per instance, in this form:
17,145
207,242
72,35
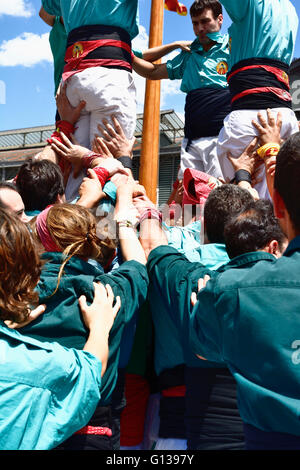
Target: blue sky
26,69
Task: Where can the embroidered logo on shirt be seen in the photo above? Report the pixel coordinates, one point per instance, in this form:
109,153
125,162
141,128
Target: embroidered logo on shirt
285,78
77,49
222,68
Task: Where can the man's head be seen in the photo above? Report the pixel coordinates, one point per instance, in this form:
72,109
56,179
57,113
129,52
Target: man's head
223,203
40,184
287,186
11,200
255,228
207,17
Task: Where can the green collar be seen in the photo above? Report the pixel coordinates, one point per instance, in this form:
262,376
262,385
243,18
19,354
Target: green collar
249,258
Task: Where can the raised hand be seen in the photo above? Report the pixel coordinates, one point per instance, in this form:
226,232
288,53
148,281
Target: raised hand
268,130
66,111
73,153
115,139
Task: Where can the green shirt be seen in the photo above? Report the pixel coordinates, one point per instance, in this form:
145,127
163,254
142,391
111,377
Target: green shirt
262,28
62,320
248,316
169,294
121,13
47,392
58,43
201,69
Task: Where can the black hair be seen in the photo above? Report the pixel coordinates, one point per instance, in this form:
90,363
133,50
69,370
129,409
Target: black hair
199,6
287,177
222,203
252,229
39,183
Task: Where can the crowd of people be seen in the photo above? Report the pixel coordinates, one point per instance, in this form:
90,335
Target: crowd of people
128,326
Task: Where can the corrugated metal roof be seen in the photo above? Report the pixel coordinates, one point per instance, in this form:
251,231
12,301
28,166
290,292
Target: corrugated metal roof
19,144
25,137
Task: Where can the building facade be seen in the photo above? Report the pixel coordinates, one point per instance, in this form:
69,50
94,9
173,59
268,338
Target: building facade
295,86
18,145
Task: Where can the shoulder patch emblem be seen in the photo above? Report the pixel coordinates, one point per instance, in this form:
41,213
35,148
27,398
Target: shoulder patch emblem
222,68
77,49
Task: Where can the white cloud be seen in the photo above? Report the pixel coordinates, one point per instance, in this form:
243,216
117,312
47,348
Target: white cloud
169,88
27,50
16,8
141,41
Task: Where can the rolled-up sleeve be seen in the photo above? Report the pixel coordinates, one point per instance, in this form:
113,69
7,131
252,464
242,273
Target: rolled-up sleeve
176,66
237,9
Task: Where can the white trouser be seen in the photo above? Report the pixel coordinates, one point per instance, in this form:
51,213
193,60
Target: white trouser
237,133
201,155
106,92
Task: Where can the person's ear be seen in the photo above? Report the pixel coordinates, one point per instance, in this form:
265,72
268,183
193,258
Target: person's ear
61,198
273,248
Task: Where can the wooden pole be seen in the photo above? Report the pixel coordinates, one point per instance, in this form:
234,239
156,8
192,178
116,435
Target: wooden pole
149,162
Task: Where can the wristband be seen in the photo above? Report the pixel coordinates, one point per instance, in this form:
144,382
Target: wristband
125,223
242,175
126,162
62,126
102,174
268,150
127,218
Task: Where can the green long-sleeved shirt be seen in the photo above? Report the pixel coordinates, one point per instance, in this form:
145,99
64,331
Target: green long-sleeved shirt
62,320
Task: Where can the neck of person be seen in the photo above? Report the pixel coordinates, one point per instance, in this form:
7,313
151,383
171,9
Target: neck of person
208,46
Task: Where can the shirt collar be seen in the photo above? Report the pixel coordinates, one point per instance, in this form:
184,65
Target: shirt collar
16,335
250,258
216,37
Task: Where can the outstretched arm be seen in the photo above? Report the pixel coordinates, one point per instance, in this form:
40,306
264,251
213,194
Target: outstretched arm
151,232
156,53
236,9
149,70
126,217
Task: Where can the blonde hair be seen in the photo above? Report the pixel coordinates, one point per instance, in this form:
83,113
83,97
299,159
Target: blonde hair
73,229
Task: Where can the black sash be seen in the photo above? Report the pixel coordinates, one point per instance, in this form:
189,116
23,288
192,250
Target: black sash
245,76
107,52
205,111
